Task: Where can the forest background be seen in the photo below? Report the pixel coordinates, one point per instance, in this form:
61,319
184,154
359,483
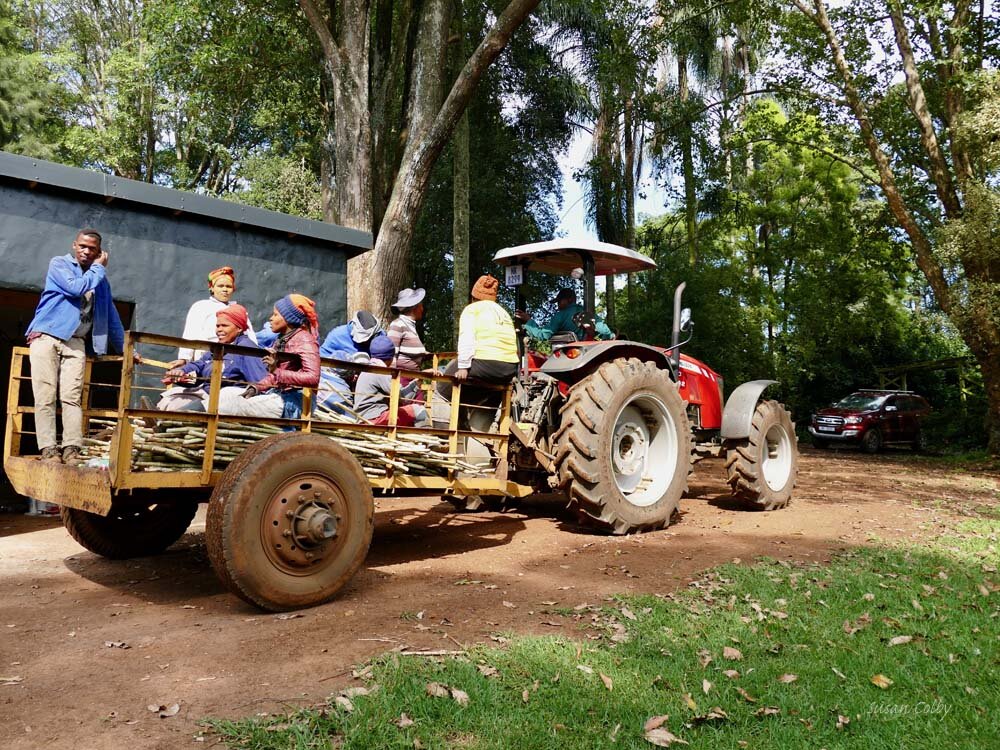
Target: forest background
829,172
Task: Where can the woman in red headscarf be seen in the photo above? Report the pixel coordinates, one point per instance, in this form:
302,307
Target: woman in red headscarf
191,380
200,322
279,392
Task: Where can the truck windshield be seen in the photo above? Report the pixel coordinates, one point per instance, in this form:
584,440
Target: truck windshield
860,402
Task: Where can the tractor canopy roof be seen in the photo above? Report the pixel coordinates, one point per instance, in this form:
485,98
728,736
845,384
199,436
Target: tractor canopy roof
561,256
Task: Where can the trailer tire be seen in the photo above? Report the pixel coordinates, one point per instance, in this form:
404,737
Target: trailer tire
623,448
131,529
290,521
761,469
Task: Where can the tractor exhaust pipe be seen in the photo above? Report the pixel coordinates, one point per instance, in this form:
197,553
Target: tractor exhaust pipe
675,332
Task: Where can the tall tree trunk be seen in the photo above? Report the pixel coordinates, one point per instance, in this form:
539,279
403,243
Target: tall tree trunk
345,52
392,247
630,180
460,186
687,163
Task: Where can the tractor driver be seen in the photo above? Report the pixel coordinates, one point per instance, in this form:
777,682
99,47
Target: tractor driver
564,321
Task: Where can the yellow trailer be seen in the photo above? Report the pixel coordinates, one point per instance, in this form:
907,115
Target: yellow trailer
290,501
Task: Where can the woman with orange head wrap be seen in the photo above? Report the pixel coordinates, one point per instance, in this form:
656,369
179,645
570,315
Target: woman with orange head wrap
200,322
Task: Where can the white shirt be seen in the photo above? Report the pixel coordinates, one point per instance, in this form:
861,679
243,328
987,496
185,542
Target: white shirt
200,326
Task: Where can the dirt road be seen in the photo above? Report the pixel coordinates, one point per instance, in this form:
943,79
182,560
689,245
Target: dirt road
434,579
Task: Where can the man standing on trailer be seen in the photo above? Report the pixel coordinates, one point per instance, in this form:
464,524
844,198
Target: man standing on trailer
75,317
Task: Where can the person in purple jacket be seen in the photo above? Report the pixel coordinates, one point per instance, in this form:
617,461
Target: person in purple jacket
76,316
192,377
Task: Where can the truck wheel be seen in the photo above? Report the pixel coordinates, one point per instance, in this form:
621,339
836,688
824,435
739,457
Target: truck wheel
623,448
131,529
761,469
872,441
290,521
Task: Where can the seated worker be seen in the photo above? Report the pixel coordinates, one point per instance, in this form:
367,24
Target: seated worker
487,345
562,321
279,393
192,378
346,343
410,351
371,395
200,321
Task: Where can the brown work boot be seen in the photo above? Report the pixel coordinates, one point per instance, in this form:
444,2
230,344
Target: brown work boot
51,454
71,455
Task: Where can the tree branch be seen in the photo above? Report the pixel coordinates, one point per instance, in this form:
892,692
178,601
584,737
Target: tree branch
922,247
939,174
321,29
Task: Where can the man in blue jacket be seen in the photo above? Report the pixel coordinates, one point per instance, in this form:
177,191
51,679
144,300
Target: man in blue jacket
75,317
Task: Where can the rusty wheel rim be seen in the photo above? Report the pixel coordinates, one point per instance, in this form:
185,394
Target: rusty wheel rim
300,527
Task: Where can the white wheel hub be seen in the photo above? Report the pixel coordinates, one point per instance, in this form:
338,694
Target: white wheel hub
776,461
644,449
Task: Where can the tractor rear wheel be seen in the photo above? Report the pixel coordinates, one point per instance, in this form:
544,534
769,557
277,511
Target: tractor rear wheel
761,469
290,521
132,529
623,448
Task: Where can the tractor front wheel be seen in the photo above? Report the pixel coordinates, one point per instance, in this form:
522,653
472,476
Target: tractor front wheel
761,469
290,521
623,448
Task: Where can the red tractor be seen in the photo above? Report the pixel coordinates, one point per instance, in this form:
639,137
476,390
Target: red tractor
618,425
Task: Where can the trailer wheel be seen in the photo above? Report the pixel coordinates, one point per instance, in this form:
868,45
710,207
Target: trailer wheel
761,469
290,522
623,448
131,529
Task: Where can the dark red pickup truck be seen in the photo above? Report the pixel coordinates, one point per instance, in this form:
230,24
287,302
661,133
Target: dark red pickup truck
871,419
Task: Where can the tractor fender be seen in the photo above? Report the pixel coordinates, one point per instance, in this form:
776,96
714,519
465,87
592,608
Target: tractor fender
590,355
740,406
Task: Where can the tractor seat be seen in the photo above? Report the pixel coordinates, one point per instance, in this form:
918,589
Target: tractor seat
563,337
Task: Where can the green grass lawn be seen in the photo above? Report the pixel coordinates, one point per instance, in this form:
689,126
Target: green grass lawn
769,655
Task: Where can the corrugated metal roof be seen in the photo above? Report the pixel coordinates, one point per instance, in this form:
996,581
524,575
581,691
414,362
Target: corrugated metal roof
110,188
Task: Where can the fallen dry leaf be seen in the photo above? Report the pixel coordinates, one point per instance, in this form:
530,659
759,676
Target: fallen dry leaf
354,692
788,678
404,721
116,644
880,680
165,711
746,696
733,654
627,613
509,605
732,674
705,657
655,721
525,695
460,697
344,702
842,721
715,713
12,680
706,686
487,671
437,690
839,674
767,711
607,681
585,669
663,738
899,640
289,616
690,701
